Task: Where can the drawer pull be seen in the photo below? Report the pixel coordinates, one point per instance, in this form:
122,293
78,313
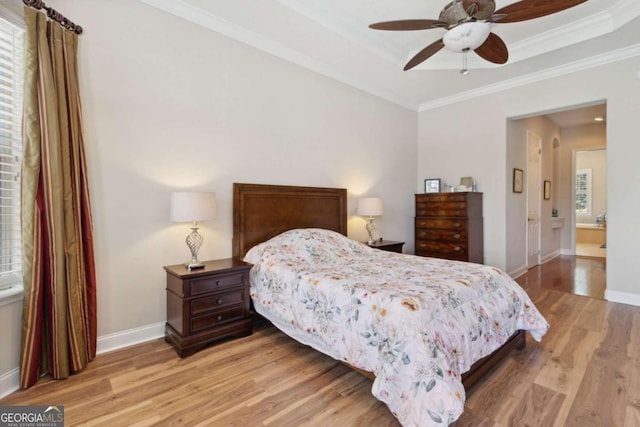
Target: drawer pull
219,301
219,317
456,225
456,236
422,245
456,248
457,213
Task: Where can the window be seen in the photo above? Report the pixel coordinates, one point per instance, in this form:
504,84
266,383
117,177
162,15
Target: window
583,192
11,89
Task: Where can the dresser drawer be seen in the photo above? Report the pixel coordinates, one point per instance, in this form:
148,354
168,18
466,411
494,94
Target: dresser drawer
455,257
214,283
442,235
442,224
441,197
444,209
443,248
217,317
217,301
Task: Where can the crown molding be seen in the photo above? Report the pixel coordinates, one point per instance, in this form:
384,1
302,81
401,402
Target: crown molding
572,67
599,24
207,20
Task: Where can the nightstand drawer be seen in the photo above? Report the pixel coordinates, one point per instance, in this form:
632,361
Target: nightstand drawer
210,284
214,302
217,317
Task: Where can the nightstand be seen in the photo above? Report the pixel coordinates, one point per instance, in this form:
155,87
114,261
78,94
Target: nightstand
207,304
387,245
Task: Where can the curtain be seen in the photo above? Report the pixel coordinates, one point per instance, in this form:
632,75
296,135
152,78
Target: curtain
59,314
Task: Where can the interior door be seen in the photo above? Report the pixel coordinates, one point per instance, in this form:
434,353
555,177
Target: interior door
534,148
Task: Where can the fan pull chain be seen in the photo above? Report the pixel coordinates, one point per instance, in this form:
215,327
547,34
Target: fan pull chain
464,70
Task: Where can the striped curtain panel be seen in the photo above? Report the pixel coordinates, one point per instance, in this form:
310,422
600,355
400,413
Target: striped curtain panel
59,316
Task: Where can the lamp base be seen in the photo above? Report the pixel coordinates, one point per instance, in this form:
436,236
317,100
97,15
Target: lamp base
193,265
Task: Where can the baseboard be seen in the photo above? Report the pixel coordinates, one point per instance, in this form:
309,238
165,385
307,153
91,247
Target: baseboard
518,272
129,337
622,297
9,382
566,252
550,256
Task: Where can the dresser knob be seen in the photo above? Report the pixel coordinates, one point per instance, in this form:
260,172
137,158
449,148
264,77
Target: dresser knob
217,282
456,236
422,245
456,225
457,213
219,317
219,301
456,248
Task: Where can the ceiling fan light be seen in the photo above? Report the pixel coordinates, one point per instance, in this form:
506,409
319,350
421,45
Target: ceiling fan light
469,35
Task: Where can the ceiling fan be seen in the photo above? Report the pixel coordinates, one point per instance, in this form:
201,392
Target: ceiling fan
468,24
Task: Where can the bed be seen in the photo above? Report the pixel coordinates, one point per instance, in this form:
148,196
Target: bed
419,355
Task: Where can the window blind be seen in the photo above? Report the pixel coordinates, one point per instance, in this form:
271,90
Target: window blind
11,91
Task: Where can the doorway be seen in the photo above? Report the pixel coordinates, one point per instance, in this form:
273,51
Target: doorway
590,200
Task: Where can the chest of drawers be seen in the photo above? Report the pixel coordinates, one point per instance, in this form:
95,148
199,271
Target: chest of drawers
206,305
449,225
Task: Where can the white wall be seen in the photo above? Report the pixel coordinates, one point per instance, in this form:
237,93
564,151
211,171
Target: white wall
170,105
483,143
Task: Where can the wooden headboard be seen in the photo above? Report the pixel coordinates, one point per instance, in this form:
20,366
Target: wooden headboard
261,212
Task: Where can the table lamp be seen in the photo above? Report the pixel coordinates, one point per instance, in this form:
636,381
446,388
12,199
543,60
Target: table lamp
370,206
189,206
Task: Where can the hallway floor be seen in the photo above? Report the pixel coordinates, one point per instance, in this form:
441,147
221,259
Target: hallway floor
567,273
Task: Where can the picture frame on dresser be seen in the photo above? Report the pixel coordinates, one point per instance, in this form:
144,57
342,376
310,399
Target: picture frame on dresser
432,185
518,180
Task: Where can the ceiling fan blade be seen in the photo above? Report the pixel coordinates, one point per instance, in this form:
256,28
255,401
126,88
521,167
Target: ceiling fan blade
409,25
493,50
424,54
531,9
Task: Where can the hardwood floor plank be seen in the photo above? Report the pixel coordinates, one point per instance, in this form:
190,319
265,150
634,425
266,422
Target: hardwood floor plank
602,395
538,408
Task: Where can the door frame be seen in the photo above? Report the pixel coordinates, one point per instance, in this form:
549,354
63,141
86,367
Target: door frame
530,136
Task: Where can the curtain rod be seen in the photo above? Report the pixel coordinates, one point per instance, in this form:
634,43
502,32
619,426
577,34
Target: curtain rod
54,14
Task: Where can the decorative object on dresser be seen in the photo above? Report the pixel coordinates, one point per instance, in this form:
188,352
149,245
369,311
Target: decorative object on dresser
449,225
188,206
387,245
207,304
432,185
370,206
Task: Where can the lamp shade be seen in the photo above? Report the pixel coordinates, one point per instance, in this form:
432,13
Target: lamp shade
370,206
187,206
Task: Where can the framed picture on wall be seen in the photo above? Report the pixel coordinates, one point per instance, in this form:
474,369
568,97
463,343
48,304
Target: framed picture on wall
432,185
518,178
547,190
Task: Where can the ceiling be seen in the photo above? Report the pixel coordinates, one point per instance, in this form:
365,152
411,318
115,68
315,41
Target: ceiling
332,37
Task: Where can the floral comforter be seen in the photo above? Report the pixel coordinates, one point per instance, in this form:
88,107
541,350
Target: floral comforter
417,323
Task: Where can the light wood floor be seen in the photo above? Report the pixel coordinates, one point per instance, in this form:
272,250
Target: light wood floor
585,372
